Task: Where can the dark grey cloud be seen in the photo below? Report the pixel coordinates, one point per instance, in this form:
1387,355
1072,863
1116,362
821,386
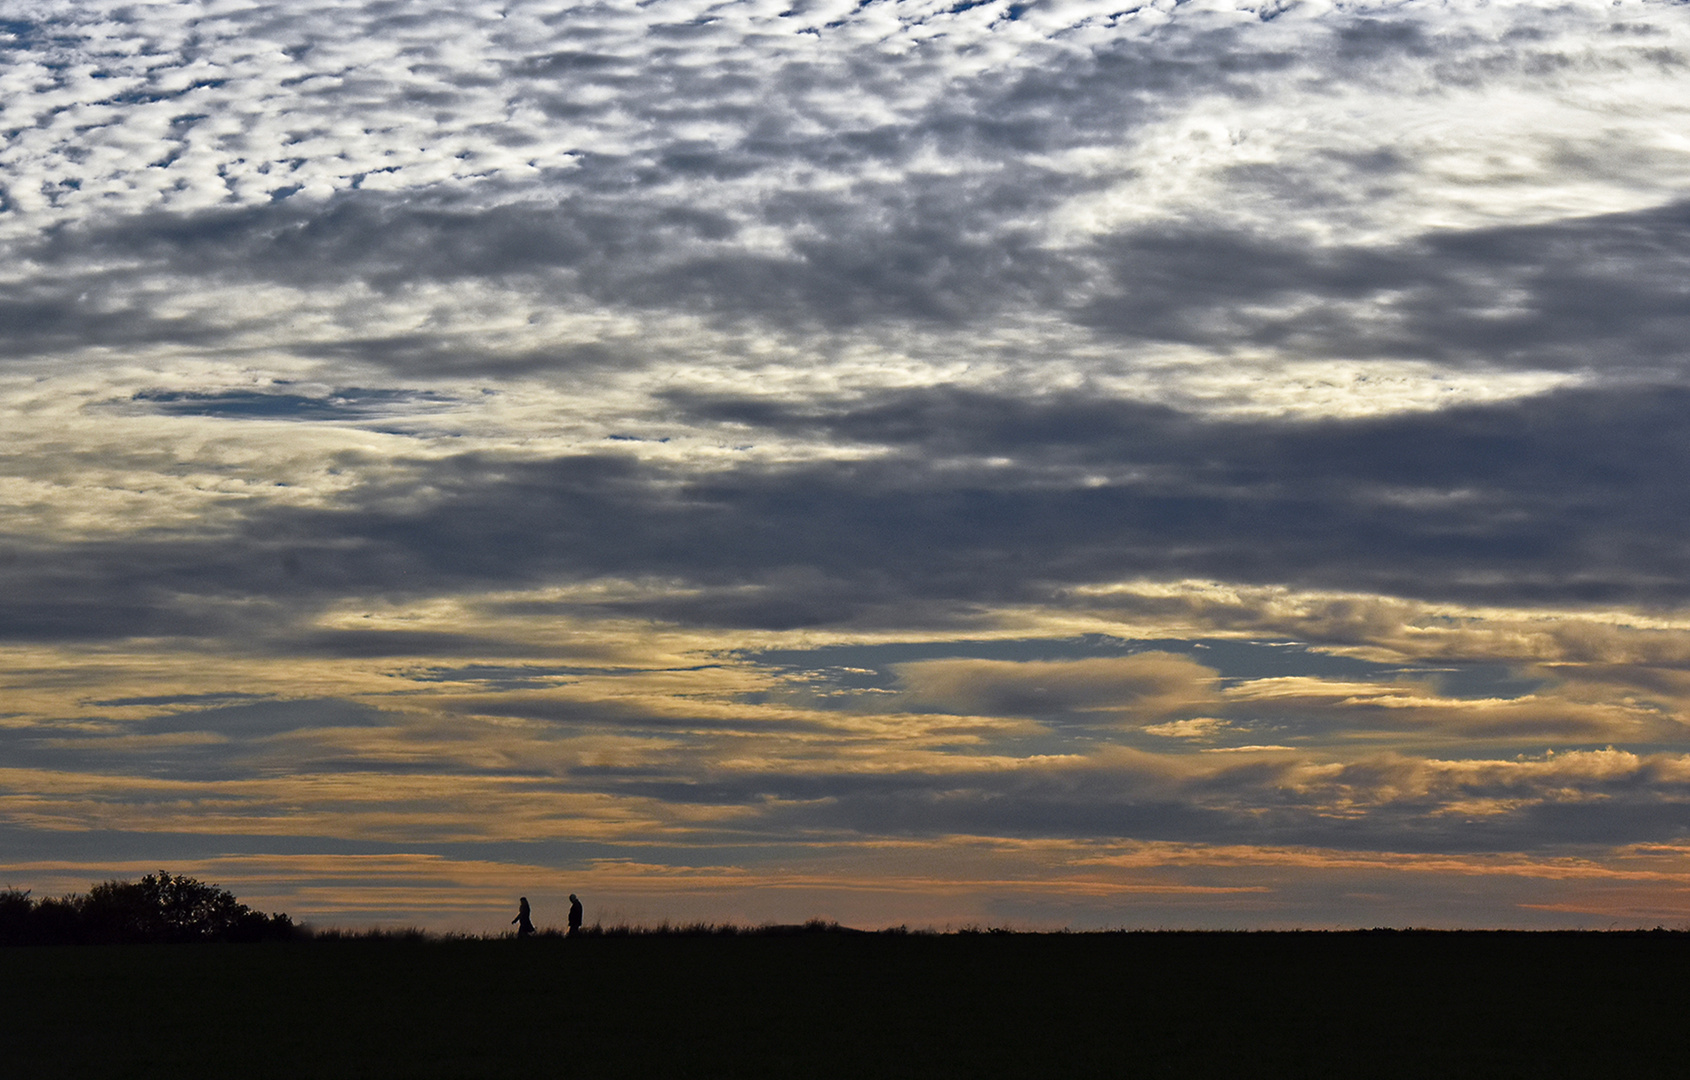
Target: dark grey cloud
1569,497
260,718
1628,439
44,318
1256,802
1563,497
1604,292
919,250
226,737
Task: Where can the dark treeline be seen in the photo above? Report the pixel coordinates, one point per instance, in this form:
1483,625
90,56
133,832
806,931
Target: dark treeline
160,908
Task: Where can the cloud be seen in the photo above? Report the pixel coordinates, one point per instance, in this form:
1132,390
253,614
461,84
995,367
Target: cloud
1382,803
1523,502
1598,292
1595,292
1198,727
1123,690
845,430
818,178
1565,498
264,718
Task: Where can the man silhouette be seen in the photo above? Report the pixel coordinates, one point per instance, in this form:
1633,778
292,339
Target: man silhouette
574,914
524,925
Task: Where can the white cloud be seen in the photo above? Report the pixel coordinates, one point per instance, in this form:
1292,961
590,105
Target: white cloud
798,128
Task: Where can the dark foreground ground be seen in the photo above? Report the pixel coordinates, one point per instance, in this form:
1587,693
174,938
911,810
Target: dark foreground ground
1363,1005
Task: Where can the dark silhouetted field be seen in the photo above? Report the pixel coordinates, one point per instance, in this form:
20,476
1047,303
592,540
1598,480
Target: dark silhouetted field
1363,1005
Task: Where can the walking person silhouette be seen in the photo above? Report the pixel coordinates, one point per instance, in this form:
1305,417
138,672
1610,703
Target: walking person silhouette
524,925
574,915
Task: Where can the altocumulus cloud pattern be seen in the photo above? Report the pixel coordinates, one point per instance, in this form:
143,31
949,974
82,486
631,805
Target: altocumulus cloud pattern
1052,463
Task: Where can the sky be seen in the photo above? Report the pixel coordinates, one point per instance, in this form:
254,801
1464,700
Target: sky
1070,463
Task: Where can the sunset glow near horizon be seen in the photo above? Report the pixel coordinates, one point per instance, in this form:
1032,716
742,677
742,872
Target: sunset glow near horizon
1046,464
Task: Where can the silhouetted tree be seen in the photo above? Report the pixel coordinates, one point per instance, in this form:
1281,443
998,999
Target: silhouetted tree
17,916
59,921
160,907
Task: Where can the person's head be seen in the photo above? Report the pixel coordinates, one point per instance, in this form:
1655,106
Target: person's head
523,900
572,896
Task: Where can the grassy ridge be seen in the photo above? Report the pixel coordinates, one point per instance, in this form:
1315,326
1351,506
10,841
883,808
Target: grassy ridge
1409,1004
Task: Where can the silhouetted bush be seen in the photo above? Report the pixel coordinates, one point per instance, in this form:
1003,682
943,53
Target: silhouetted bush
707,929
160,907
411,934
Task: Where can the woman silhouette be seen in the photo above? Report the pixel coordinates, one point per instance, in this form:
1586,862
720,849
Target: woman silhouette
524,925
